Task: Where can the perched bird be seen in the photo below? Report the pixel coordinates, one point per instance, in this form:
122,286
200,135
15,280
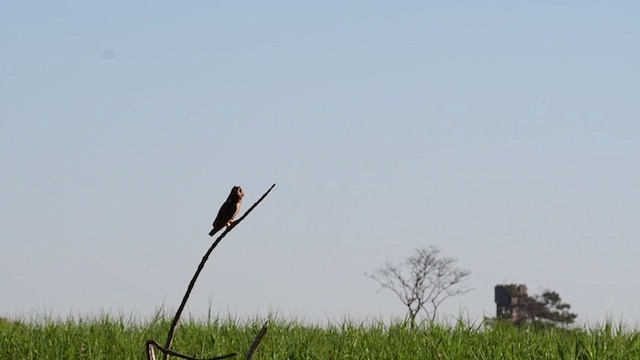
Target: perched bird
228,210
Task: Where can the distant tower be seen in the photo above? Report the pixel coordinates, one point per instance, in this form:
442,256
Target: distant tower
507,298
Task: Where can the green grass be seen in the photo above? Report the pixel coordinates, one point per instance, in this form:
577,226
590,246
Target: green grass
111,338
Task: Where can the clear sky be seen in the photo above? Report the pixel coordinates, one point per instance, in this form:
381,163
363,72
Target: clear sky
505,133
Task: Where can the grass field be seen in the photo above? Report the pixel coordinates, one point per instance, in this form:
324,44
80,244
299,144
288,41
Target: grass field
117,338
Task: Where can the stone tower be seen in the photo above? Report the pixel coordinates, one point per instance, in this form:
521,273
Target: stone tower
507,298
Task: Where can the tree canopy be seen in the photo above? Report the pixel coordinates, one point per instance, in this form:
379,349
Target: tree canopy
543,310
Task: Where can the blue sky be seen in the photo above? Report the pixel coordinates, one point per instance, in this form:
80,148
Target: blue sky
506,134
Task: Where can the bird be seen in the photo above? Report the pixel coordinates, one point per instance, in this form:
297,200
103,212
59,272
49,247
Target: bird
228,210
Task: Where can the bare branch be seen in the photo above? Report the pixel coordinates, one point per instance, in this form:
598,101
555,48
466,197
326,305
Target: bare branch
256,341
390,277
151,354
176,318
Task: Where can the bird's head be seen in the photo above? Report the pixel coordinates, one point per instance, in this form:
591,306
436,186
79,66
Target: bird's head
237,192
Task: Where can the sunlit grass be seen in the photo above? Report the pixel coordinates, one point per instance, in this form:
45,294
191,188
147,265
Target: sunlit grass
106,337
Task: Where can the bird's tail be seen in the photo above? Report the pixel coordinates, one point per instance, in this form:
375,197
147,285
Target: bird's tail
212,232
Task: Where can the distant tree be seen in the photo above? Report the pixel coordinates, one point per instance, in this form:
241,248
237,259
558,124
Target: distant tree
423,281
545,310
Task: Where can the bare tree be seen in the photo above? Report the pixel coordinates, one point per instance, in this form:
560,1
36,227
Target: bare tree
423,281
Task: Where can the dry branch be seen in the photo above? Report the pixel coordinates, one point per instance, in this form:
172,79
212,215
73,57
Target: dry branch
256,341
167,348
152,356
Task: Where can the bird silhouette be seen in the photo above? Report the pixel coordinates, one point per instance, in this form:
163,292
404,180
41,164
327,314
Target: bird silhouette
228,210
